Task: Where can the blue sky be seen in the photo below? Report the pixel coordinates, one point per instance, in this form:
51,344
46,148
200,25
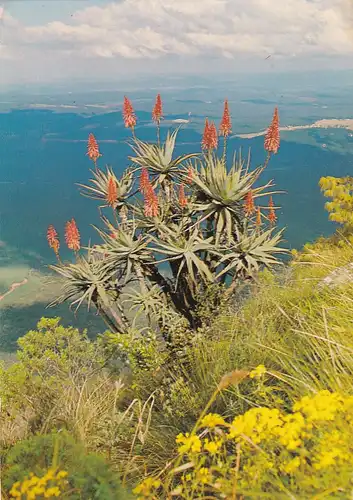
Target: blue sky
52,40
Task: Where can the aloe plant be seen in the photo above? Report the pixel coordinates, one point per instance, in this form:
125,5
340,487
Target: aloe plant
191,221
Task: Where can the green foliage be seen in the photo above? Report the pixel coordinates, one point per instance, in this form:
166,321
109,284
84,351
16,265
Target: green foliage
59,381
340,190
89,476
53,349
207,236
47,358
142,353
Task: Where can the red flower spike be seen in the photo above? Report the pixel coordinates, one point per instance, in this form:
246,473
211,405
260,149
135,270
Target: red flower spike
225,127
151,202
272,214
144,180
213,136
210,136
53,240
272,138
183,201
72,236
249,204
112,194
128,114
157,113
205,144
258,217
92,148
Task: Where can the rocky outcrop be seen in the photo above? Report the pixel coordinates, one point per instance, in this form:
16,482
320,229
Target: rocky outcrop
339,276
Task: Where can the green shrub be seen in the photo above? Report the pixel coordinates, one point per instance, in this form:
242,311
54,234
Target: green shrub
89,476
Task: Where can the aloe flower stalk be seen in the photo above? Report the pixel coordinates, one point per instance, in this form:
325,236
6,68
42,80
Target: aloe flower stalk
272,214
53,240
272,137
157,114
93,149
72,236
225,127
182,198
112,194
249,204
129,114
144,180
151,201
258,218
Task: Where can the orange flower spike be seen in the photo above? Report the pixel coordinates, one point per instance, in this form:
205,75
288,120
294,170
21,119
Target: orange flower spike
112,194
225,127
129,114
213,136
205,144
182,198
53,240
92,148
72,236
249,203
144,180
272,138
157,113
258,218
272,214
151,202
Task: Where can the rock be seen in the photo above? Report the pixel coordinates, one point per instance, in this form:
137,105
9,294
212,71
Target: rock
339,276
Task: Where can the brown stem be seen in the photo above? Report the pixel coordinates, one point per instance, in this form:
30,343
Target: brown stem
158,134
105,301
225,148
110,324
267,159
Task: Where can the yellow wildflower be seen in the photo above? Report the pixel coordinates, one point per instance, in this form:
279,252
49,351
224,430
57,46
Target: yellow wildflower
61,474
146,486
292,465
327,458
323,406
34,487
257,424
14,491
259,372
188,443
213,447
52,492
212,420
203,475
293,431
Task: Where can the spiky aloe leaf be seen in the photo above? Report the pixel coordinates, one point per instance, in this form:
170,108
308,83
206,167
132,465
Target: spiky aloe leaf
152,303
186,248
220,193
251,251
100,186
124,248
159,159
84,281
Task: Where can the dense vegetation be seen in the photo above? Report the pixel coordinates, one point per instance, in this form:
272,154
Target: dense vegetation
226,376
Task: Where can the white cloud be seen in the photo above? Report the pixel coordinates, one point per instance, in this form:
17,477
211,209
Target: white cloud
225,29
